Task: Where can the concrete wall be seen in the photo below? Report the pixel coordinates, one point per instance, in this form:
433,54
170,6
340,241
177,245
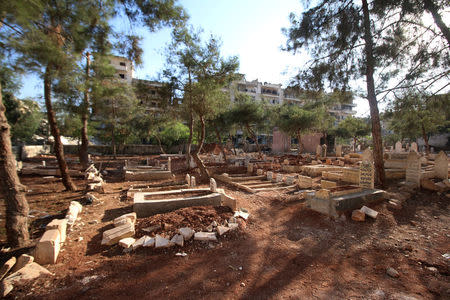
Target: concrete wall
32,151
281,141
122,149
310,142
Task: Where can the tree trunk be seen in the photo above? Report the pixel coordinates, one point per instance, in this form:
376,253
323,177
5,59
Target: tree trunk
189,142
371,96
14,192
160,144
83,154
58,146
354,144
203,171
425,139
299,138
255,138
219,140
113,132
432,8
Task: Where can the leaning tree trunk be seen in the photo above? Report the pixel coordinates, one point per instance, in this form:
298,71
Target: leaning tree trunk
432,8
219,140
371,96
160,144
255,138
13,191
203,171
83,154
425,139
58,146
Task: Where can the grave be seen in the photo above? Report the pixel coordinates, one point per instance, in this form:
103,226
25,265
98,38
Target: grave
398,147
338,200
318,151
441,166
254,184
304,182
413,169
145,173
414,147
366,170
148,204
338,150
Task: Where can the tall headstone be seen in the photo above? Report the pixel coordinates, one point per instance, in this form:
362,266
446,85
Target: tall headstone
398,147
188,180
259,172
169,164
413,168
213,185
324,150
441,166
250,168
318,151
339,150
279,177
193,183
414,147
366,170
269,175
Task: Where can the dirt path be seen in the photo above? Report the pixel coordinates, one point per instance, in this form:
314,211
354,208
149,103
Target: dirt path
284,251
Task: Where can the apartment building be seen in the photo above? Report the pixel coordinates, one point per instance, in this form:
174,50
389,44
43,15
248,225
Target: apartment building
124,68
275,94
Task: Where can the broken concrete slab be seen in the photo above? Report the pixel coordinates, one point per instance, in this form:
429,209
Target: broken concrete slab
29,272
162,242
186,232
370,212
205,236
75,208
325,184
22,261
124,219
47,249
60,225
127,242
222,229
139,242
9,264
147,175
149,242
113,236
178,240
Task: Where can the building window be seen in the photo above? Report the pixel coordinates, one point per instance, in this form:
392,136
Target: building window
153,92
122,64
122,76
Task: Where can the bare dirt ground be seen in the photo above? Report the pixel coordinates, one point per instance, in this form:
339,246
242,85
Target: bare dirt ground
284,250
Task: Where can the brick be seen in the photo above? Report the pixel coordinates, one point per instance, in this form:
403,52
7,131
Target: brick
205,236
60,225
326,184
127,242
358,215
186,232
370,212
47,249
113,236
129,218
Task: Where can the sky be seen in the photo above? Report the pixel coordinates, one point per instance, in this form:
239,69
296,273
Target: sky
248,29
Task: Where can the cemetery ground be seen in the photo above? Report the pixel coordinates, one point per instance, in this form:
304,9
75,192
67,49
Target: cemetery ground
283,250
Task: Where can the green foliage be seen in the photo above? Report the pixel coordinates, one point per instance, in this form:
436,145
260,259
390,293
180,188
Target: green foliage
412,115
352,127
294,120
24,116
250,115
406,51
174,133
